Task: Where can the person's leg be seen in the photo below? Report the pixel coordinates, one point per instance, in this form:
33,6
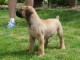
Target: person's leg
11,5
30,2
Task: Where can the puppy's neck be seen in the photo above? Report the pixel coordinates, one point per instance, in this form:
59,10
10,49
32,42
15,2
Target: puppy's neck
33,19
28,18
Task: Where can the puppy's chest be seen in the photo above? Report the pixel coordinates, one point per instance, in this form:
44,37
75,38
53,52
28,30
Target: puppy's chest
36,30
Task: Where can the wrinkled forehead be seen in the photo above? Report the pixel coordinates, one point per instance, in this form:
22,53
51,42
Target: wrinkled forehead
27,8
23,7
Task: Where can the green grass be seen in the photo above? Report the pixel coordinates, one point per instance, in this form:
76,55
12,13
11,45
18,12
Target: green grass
14,42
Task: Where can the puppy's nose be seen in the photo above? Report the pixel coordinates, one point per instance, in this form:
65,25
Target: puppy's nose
18,13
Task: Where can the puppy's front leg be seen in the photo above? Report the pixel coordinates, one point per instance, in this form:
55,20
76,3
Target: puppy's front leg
41,45
31,45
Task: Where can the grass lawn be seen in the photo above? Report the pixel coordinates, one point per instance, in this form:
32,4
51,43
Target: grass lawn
14,42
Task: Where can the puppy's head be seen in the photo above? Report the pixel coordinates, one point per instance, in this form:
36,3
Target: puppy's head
25,11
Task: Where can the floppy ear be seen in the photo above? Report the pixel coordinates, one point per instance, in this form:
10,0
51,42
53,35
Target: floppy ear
28,10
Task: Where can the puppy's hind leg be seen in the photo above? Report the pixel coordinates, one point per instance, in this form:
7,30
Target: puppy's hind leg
47,40
60,34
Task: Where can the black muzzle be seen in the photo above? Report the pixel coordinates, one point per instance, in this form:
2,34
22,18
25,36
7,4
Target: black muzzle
18,13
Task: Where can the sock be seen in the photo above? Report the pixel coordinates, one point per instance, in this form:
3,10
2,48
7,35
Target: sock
12,20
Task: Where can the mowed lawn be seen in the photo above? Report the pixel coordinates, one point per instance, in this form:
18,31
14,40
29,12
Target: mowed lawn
14,42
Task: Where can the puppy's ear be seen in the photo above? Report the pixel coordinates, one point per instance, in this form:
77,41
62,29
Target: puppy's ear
29,10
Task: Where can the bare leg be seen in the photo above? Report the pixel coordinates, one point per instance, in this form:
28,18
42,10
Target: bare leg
31,46
41,46
30,2
12,5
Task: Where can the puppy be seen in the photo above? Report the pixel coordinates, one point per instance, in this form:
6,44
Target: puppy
40,29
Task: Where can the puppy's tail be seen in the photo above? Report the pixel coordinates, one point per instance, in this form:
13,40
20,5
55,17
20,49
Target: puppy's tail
57,17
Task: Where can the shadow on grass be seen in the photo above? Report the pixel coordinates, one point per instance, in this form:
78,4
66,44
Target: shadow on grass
52,47
23,52
19,54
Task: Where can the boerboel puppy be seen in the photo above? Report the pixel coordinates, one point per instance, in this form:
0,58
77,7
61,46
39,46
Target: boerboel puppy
40,29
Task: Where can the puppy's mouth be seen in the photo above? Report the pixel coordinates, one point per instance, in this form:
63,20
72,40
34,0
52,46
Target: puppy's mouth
18,13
